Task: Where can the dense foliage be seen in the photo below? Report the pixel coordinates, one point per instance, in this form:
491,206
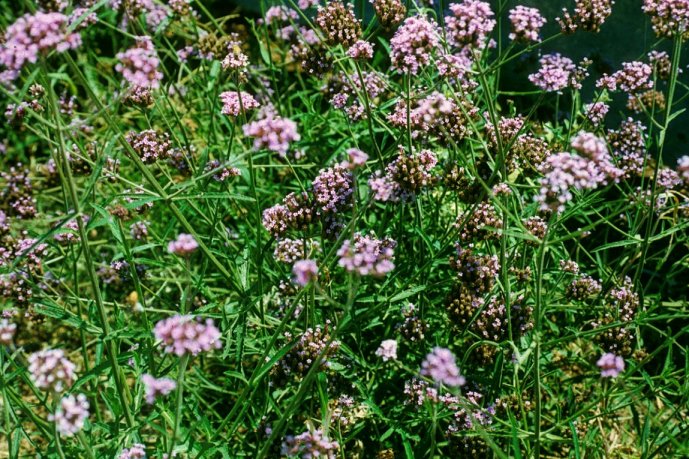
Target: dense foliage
332,231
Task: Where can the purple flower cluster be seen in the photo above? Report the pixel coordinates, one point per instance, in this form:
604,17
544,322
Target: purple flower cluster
526,23
595,149
311,444
413,43
290,250
51,370
71,235
303,354
440,365
564,172
404,177
390,13
187,335
595,112
355,159
339,24
273,133
361,50
156,387
683,168
669,17
280,14
436,114
413,328
31,35
304,271
610,365
629,146
661,63
139,65
366,255
481,224
582,288
150,145
556,73
347,92
476,271
139,231
634,77
232,105
71,414
589,15
184,245
470,24
221,172
7,331
333,188
136,451
295,212
387,350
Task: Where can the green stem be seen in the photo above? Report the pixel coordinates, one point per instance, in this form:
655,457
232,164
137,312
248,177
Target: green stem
180,398
93,278
84,444
58,445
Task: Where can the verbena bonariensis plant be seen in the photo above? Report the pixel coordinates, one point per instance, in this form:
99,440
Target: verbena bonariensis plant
334,230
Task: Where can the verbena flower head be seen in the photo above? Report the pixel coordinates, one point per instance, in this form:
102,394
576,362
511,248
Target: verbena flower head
150,145
157,387
594,148
184,245
136,451
526,23
297,211
470,24
274,134
589,15
596,112
610,365
304,271
366,255
387,350
301,357
139,231
413,43
71,414
355,159
661,63
361,50
390,13
31,35
339,24
440,365
634,77
231,102
290,250
669,17
556,73
139,65
333,189
280,14
183,335
51,370
683,168
7,331
629,146
564,173
310,445
474,270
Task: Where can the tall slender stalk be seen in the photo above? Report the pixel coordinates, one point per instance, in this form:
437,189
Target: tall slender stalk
183,361
110,344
